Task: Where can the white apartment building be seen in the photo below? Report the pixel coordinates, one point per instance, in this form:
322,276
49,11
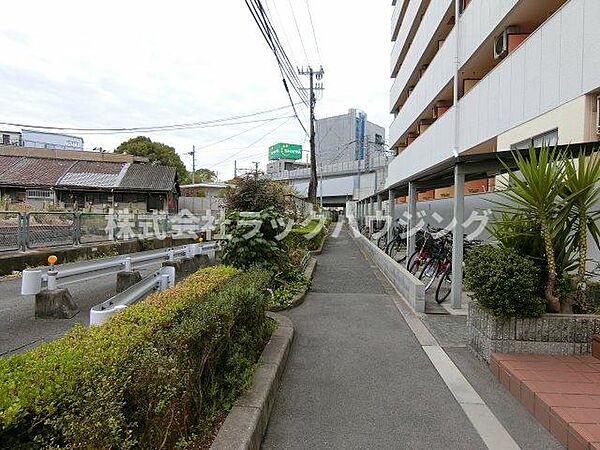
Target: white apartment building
473,78
477,76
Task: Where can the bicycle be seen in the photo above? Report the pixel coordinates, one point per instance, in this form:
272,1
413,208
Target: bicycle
425,243
396,249
444,286
439,261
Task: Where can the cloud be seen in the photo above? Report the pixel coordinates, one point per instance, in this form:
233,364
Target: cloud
117,63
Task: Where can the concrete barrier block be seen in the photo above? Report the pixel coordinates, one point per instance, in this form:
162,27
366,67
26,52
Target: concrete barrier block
55,304
127,279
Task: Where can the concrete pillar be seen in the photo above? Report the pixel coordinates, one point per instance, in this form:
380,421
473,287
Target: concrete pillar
412,220
391,213
457,242
379,202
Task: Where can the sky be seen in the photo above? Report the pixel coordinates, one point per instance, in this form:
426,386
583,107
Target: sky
137,63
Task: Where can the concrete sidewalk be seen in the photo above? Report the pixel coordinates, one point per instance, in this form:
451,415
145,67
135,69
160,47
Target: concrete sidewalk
357,377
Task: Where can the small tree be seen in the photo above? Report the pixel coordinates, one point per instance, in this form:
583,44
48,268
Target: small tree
534,193
582,192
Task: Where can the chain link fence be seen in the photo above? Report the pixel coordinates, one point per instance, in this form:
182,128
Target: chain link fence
92,228
45,229
10,231
34,230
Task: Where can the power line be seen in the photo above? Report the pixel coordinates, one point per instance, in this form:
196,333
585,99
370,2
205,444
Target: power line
200,124
229,158
288,73
268,31
210,125
240,133
298,29
312,25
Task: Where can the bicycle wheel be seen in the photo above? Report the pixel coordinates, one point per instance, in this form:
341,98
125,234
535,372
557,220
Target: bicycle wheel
397,250
416,263
382,241
444,286
411,261
430,272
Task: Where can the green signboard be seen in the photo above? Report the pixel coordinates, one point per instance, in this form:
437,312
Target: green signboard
285,151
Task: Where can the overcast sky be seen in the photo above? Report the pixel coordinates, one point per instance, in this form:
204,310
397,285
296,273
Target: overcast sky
145,63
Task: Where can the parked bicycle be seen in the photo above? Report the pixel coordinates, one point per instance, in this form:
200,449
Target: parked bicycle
396,248
444,286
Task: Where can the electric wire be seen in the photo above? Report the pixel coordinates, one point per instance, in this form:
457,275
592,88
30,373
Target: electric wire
229,158
312,25
199,124
298,29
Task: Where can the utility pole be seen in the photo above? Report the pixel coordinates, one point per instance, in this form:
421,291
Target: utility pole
235,168
312,184
193,153
255,169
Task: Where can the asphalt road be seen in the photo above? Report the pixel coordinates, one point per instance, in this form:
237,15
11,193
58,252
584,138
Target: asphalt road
356,376
19,330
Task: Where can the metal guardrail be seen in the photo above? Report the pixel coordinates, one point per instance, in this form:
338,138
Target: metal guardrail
33,279
160,280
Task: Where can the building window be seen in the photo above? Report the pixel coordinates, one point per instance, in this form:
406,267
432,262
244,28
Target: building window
549,138
39,194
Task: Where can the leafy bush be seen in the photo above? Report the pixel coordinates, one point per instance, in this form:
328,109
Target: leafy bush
504,283
249,247
250,194
298,237
287,285
153,375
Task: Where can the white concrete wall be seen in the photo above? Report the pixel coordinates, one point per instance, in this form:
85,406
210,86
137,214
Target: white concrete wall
570,119
558,63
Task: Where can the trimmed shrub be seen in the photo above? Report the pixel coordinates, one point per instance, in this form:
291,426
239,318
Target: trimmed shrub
298,237
504,283
155,374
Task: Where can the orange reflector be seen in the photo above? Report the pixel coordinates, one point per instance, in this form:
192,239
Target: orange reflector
52,259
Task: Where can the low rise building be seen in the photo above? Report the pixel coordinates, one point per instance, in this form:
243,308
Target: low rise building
94,185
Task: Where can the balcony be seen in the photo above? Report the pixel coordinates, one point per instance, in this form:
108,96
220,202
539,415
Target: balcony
406,32
423,47
398,16
432,87
556,64
429,149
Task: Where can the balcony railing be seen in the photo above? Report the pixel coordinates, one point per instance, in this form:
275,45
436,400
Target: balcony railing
439,73
430,23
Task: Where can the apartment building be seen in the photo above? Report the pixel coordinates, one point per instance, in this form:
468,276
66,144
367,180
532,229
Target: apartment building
473,79
481,76
347,138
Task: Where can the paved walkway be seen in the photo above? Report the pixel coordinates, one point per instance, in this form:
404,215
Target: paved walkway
357,377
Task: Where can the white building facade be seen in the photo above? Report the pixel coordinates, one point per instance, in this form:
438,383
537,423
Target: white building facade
477,76
473,79
348,137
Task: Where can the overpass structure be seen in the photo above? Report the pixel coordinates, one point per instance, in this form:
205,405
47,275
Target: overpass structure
340,183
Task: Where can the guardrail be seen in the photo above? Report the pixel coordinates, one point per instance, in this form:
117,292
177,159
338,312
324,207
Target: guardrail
158,281
33,279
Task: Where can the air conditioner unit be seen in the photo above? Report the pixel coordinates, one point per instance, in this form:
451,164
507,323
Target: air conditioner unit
501,42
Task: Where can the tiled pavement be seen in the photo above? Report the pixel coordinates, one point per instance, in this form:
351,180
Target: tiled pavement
563,392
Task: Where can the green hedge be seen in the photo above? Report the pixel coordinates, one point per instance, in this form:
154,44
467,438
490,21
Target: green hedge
161,372
504,283
296,239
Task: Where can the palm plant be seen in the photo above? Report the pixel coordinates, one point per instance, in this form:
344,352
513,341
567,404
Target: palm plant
534,195
581,191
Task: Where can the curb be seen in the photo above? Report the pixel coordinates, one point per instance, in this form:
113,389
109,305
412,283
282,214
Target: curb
300,296
247,421
319,250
